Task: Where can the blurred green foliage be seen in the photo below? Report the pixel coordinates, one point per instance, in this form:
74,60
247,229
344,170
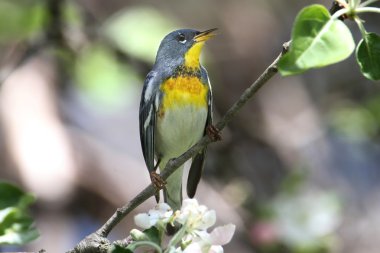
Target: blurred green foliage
356,122
299,219
138,31
104,80
21,19
373,105
16,225
305,221
71,13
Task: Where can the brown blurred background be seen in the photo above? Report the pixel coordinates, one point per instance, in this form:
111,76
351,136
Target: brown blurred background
298,169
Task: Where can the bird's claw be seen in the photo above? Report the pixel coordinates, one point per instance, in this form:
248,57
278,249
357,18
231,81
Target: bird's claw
157,181
213,133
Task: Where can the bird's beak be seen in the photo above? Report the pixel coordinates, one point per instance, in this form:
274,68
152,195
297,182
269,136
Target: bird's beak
205,35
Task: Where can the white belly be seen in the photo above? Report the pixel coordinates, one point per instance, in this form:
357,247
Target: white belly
179,129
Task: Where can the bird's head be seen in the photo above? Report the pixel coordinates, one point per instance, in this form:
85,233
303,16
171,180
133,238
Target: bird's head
183,47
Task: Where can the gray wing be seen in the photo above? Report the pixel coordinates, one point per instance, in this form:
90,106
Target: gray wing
198,161
147,118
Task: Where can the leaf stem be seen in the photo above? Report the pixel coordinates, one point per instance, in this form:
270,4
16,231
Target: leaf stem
352,11
339,13
367,9
354,4
147,243
359,22
366,3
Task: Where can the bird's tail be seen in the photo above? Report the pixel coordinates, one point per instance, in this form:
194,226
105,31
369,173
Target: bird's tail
173,188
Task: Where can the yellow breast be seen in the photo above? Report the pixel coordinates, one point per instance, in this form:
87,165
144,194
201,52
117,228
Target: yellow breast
181,91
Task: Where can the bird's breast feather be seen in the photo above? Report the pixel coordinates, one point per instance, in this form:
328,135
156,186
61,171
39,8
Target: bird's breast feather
183,91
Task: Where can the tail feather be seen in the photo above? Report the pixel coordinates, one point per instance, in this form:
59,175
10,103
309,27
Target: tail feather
173,189
195,173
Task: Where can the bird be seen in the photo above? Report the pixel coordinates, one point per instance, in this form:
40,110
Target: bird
176,111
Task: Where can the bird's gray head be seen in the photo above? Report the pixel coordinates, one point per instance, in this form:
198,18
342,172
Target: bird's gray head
182,47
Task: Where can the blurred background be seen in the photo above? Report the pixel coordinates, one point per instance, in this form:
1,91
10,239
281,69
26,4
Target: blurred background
298,169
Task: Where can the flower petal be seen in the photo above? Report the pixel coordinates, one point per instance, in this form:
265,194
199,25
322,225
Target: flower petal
186,203
163,207
208,219
143,220
222,235
202,235
216,249
193,248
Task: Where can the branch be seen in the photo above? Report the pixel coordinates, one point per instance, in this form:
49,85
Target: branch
97,239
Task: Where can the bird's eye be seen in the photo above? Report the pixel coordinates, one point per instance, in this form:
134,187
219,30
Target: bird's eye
181,38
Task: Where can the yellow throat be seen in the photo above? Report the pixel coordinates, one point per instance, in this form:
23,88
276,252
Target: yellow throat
193,54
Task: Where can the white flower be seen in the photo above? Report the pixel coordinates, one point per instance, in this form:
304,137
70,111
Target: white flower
192,237
143,221
160,215
222,235
195,216
216,249
193,248
173,250
204,242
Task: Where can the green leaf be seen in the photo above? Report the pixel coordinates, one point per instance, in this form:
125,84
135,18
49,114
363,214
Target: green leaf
368,56
12,195
119,249
16,226
15,237
153,235
7,216
317,41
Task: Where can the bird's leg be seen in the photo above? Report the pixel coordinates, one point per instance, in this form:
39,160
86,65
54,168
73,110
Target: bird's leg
156,179
213,133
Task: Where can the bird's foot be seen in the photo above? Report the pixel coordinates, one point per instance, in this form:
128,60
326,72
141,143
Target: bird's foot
157,180
213,133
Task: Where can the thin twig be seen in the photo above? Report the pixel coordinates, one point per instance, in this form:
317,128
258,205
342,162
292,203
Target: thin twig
126,209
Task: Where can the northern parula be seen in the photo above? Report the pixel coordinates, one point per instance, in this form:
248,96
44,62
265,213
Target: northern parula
176,110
